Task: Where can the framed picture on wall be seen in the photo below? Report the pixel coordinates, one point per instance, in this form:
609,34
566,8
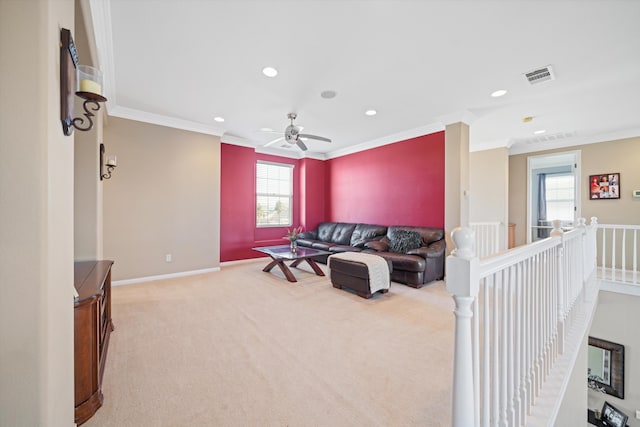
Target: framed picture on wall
604,186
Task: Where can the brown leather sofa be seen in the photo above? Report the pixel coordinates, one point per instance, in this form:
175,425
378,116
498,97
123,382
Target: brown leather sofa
414,266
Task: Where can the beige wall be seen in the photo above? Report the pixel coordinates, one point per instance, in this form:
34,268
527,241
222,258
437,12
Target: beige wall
456,203
621,156
87,184
36,231
572,407
163,198
489,188
616,320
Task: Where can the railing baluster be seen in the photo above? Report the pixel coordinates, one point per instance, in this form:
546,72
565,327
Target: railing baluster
613,255
486,372
635,257
624,255
504,359
476,359
510,346
604,251
495,378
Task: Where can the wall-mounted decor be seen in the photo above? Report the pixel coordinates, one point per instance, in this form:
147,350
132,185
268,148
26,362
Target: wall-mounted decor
606,367
604,186
110,164
81,80
611,416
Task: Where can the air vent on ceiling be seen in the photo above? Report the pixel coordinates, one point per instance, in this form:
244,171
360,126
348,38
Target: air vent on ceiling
547,138
540,75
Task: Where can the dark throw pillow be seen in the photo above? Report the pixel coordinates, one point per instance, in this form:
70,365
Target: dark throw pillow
402,241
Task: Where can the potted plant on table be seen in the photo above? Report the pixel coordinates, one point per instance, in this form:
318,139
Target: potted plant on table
292,236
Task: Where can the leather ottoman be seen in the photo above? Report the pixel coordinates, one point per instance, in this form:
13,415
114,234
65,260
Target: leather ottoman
365,274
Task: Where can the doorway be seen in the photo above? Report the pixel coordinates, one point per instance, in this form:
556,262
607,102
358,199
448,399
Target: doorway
553,192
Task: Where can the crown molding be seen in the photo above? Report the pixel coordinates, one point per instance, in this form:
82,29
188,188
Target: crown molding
573,141
389,139
236,140
157,119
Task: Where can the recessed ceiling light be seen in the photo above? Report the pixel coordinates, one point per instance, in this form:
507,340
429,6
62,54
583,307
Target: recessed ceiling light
539,132
328,94
371,112
269,71
266,130
499,93
218,119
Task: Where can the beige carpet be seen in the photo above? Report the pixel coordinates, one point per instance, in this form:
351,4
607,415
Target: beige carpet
241,347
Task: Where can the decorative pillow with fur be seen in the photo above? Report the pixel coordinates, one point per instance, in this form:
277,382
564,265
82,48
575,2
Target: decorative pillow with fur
402,241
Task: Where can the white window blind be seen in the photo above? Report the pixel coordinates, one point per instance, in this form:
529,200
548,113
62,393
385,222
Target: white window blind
274,194
560,197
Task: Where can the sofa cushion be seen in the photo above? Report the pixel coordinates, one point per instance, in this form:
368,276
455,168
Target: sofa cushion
323,246
402,241
325,231
365,232
342,233
402,262
430,235
343,248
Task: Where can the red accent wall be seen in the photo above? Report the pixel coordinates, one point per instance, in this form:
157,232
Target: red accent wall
313,193
237,202
238,231
396,184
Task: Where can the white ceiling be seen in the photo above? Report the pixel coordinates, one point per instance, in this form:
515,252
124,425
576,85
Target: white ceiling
420,64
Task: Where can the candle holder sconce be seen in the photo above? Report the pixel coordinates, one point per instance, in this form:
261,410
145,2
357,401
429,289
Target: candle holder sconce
81,80
110,164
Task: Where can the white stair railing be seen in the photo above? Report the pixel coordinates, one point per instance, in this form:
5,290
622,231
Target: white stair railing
513,313
488,238
618,256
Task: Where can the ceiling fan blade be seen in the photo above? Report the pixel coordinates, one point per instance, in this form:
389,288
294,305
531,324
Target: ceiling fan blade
273,141
319,138
301,145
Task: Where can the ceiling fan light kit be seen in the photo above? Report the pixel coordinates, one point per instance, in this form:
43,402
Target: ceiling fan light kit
293,136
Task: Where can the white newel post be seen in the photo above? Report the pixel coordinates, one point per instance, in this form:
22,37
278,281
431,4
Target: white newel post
463,283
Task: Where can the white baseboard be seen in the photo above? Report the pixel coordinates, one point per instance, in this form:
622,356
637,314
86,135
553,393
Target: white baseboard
242,261
164,276
621,288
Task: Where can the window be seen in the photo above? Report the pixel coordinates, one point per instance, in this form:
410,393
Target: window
274,194
560,196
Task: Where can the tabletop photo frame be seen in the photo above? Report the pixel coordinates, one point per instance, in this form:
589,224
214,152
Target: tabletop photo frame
604,186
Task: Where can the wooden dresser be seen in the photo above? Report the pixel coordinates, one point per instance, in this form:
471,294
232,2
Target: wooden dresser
92,327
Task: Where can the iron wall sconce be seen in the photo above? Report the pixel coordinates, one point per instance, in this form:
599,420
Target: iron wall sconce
81,80
110,164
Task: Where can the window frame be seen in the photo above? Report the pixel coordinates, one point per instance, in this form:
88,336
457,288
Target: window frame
290,194
557,201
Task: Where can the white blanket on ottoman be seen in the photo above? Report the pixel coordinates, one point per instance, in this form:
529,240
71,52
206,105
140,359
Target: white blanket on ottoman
377,266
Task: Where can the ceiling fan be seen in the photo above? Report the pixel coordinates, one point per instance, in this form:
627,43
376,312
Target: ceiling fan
292,135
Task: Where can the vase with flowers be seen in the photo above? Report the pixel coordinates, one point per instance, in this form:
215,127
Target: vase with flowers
292,236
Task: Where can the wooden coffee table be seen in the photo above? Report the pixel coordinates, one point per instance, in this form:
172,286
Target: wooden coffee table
280,254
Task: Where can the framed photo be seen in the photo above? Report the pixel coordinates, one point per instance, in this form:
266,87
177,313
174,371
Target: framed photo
604,186
612,416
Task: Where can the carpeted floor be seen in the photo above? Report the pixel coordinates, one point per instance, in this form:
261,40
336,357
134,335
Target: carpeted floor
241,347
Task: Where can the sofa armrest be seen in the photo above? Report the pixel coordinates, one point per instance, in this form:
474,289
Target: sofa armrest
377,245
434,250
309,235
